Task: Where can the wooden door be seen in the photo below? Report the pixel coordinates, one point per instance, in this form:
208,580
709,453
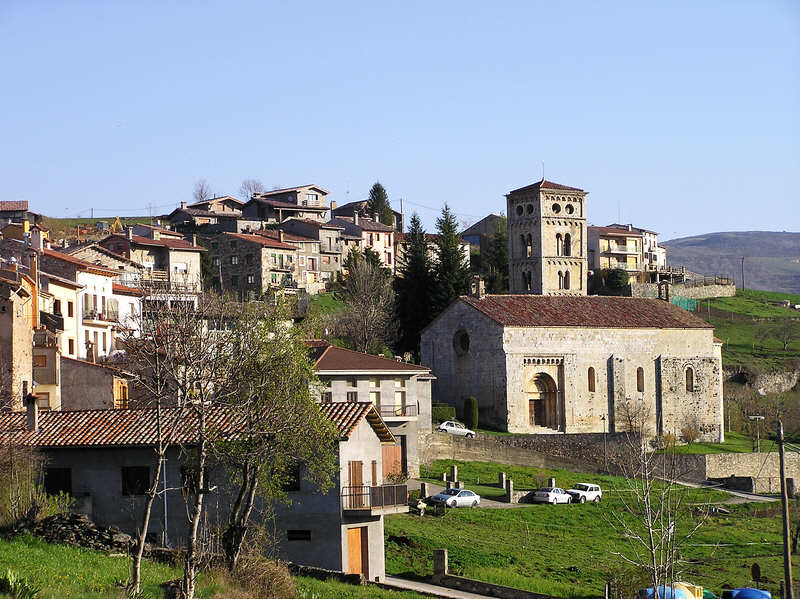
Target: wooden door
392,456
358,551
356,476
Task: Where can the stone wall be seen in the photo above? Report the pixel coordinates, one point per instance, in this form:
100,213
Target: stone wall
691,291
768,382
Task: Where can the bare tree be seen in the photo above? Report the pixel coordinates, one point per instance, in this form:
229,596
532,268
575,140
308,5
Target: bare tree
202,191
250,187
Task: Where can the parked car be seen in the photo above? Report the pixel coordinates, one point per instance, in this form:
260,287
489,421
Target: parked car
551,495
584,492
456,498
455,428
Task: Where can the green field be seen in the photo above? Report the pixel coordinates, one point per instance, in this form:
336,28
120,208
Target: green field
568,550
324,303
734,443
737,320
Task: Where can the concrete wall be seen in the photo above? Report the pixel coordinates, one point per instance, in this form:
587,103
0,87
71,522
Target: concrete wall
86,386
16,346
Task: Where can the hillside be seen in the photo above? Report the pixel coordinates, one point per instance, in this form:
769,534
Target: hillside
772,259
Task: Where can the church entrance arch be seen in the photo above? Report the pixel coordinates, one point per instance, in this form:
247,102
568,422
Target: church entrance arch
542,393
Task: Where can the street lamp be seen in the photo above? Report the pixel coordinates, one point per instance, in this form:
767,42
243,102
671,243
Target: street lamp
605,454
757,419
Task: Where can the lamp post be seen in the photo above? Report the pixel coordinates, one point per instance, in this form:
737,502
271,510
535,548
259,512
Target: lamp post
605,454
758,420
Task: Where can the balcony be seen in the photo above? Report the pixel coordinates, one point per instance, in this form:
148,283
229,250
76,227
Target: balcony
622,249
101,318
365,500
392,412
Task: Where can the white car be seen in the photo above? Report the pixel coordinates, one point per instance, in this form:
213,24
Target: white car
455,428
584,492
552,495
456,498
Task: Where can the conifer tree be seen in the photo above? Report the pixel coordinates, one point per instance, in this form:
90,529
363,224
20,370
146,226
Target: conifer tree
496,261
413,287
451,270
378,203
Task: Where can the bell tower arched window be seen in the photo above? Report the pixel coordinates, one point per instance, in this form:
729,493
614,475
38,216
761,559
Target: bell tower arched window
566,280
640,379
567,245
591,379
529,246
559,244
689,379
560,280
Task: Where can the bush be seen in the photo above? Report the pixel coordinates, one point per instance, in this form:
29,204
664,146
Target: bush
617,278
17,587
666,441
442,411
690,433
471,413
265,578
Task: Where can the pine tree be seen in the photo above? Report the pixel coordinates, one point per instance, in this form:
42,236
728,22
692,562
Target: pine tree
378,203
495,264
451,271
413,287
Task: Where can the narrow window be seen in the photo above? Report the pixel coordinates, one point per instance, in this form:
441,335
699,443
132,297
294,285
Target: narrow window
298,535
529,246
689,379
352,396
559,244
566,280
70,309
71,345
374,473
567,245
591,379
640,379
560,280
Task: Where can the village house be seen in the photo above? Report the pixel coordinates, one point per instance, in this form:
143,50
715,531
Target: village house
104,460
227,205
17,317
630,248
367,233
308,270
330,243
360,206
251,265
401,393
17,210
306,201
480,234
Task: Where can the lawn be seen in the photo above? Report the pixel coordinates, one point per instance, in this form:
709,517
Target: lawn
734,443
568,550
324,303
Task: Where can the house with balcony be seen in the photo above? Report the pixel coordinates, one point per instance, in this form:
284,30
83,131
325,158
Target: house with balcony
331,246
401,393
104,459
306,201
359,232
633,249
360,206
308,269
227,205
170,264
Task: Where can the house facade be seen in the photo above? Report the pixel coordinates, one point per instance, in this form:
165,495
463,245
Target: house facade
400,392
331,247
304,202
631,248
360,206
367,233
540,364
251,265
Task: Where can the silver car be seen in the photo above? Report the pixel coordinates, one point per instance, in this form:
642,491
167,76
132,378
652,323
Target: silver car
456,498
552,495
455,428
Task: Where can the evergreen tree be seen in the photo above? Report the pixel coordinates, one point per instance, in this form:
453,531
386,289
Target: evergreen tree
495,263
413,287
451,271
378,203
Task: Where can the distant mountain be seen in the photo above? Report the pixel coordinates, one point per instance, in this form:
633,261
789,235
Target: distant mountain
771,259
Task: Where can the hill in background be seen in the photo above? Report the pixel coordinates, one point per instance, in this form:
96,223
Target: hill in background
771,259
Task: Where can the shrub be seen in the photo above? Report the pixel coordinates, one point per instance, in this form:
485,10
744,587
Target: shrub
666,441
265,578
442,411
690,433
471,412
617,278
17,587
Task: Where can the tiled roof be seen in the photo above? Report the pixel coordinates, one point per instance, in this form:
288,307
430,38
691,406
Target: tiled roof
159,229
331,358
82,264
219,199
262,240
13,205
125,290
287,236
615,231
545,184
285,189
173,244
619,226
584,311
316,223
364,224
347,415
197,212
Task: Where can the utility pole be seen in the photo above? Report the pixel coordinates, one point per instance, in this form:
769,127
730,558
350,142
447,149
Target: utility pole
742,272
605,453
758,420
787,554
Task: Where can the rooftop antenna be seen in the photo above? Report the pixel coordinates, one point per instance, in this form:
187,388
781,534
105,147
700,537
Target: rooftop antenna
542,170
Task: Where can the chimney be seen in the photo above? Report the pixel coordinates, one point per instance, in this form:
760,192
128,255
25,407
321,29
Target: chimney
129,233
630,227
31,409
183,205
37,239
355,217
156,235
280,235
375,217
34,270
334,206
194,239
477,288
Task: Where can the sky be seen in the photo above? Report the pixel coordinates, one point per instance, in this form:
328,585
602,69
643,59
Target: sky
680,117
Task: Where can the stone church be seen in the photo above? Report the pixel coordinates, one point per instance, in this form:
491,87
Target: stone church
547,358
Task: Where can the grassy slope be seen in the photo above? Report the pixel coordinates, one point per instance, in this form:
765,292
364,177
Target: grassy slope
324,303
566,550
734,443
745,313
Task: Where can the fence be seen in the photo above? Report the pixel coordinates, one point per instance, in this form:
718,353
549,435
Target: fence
359,497
389,411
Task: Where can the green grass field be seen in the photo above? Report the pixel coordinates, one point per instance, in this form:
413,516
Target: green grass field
734,443
568,550
324,303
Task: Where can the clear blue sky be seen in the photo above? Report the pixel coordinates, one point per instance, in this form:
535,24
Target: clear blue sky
681,116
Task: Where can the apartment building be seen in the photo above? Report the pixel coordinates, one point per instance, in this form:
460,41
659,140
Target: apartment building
359,232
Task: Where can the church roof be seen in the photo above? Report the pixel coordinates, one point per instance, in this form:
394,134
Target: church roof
593,311
545,184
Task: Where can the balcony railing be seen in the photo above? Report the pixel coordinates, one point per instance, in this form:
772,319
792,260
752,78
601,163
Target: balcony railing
107,316
375,498
398,411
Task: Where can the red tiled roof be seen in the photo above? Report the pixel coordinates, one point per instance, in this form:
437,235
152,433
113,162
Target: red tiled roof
545,184
584,311
159,229
347,415
615,231
287,236
364,224
316,223
173,244
13,205
219,199
285,189
83,264
125,290
333,358
263,241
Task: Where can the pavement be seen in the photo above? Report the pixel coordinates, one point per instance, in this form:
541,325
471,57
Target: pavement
429,589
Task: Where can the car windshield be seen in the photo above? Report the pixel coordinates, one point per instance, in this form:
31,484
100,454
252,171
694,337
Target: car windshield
451,492
546,489
457,425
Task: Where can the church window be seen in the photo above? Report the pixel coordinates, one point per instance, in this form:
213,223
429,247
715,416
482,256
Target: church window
689,379
569,208
591,379
529,246
559,244
461,342
560,280
640,379
556,208
566,280
519,210
530,208
567,245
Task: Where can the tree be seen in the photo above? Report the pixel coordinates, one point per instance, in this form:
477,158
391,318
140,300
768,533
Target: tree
378,203
249,187
450,271
495,264
202,191
784,332
617,278
413,288
284,427
367,317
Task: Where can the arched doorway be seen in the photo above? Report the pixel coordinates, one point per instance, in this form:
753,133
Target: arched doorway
542,393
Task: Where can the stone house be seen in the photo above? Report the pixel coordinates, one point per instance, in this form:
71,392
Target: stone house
92,386
367,233
631,248
305,202
227,205
104,459
577,364
17,210
17,313
252,264
479,235
360,206
308,265
330,243
170,263
401,393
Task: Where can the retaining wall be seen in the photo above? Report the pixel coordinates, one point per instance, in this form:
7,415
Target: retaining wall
691,291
